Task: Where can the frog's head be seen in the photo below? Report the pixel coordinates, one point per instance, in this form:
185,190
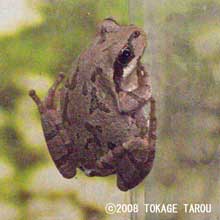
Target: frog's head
125,46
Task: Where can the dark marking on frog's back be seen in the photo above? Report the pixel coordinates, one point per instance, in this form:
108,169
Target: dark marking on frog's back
93,92
93,77
97,71
89,127
98,128
96,104
102,107
88,142
111,145
95,131
94,101
77,135
84,89
97,141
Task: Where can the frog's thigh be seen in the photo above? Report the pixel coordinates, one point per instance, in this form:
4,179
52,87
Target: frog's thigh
135,164
61,148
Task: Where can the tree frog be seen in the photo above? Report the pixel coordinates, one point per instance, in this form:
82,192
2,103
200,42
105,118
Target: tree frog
100,126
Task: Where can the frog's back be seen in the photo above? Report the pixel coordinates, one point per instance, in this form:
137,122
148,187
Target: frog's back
93,119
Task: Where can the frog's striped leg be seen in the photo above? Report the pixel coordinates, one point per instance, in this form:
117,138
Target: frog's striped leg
60,146
134,159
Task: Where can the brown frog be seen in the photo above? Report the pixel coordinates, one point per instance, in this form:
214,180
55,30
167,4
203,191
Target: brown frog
100,126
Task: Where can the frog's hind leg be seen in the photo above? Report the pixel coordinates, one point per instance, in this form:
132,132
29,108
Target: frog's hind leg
61,148
134,159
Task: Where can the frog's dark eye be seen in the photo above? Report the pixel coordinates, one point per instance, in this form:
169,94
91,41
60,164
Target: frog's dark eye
125,56
126,53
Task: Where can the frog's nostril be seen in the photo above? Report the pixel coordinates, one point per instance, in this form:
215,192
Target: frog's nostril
136,34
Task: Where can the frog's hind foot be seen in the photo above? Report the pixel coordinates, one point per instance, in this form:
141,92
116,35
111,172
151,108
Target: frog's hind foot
60,146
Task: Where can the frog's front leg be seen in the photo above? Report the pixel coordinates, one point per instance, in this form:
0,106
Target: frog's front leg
133,100
61,147
134,159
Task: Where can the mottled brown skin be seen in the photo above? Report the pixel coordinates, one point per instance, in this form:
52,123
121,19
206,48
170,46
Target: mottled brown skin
101,127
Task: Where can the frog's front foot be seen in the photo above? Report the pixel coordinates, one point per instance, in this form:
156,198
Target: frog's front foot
61,147
136,99
134,159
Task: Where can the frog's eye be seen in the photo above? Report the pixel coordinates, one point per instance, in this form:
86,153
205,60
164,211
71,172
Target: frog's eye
125,56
